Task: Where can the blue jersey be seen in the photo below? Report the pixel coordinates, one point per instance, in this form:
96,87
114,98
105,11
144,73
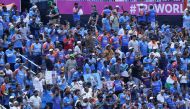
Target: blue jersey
115,42
87,68
104,41
11,56
56,102
122,98
118,85
144,48
157,85
124,40
107,11
1,29
67,101
152,16
106,24
130,58
142,18
6,15
124,19
20,77
18,41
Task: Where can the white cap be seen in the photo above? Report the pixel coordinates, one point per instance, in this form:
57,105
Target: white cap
70,50
31,36
130,48
15,102
78,42
117,6
130,32
11,97
134,85
50,49
34,6
151,98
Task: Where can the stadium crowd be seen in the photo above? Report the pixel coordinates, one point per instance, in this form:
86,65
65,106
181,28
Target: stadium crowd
140,64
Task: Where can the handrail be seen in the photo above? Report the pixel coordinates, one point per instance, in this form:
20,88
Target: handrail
29,70
29,61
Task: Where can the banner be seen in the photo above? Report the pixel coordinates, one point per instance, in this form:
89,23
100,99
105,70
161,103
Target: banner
11,2
94,79
50,77
162,8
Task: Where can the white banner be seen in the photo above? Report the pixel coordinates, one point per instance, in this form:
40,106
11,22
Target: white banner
50,77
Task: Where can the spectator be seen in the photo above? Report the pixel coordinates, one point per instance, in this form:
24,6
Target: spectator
35,100
77,12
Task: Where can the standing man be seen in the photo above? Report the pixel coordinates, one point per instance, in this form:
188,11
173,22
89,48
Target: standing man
17,40
77,12
93,20
36,52
142,16
53,14
151,16
35,100
11,56
114,20
124,40
106,26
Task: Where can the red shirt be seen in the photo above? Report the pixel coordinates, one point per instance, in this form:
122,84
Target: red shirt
68,43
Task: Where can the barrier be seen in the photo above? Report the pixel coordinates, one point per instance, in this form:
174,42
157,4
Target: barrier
30,61
162,8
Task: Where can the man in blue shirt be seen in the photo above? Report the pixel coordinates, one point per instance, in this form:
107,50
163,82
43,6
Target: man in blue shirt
124,20
11,56
142,16
106,23
76,16
2,58
124,40
143,47
20,76
17,40
152,16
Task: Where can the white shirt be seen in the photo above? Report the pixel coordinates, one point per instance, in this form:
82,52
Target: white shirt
151,45
182,43
24,31
77,49
76,85
8,71
160,98
110,84
85,94
134,44
183,78
169,80
38,84
121,32
36,101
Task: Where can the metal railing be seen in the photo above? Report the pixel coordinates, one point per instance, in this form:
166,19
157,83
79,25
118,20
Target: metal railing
29,61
